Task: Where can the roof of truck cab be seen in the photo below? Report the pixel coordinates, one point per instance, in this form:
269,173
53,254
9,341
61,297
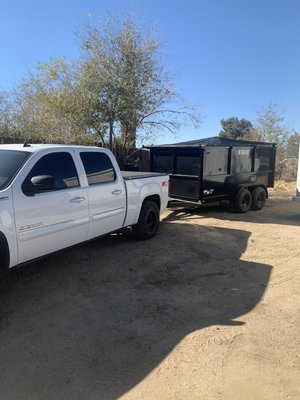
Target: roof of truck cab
32,148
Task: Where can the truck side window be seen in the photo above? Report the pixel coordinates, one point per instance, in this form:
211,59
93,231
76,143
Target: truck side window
98,167
60,166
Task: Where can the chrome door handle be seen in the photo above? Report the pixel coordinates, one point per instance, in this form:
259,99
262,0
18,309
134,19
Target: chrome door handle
116,192
77,199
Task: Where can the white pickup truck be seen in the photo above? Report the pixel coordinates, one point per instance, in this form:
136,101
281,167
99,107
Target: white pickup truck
55,196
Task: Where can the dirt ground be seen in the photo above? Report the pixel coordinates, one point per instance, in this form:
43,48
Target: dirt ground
208,309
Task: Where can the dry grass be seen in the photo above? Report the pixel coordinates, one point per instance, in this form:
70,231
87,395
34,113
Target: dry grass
285,186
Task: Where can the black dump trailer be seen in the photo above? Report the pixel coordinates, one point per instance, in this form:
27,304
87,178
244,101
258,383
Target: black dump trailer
216,169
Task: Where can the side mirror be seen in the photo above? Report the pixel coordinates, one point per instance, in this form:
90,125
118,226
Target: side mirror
40,184
43,183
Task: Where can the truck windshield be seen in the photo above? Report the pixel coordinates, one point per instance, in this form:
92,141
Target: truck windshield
10,163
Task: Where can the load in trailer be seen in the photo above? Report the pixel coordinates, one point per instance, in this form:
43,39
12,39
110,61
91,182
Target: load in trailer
217,169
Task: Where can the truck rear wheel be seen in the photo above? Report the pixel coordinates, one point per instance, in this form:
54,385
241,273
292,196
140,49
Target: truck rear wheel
259,197
243,201
148,222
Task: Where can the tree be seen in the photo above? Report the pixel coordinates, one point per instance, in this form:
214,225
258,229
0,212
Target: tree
270,125
292,149
133,93
292,155
49,105
235,128
118,91
7,128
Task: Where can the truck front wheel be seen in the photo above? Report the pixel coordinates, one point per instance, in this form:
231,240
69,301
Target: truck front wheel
259,197
4,253
148,222
243,201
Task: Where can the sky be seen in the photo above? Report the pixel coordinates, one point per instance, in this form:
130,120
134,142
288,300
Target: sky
230,57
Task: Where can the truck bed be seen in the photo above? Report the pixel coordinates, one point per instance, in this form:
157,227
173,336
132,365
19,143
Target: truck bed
128,175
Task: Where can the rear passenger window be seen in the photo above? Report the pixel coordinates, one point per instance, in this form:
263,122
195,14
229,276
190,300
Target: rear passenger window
98,167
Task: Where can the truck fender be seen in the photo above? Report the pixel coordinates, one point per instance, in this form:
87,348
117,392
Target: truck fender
148,192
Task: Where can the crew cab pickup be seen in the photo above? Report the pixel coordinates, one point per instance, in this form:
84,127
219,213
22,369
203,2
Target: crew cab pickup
55,196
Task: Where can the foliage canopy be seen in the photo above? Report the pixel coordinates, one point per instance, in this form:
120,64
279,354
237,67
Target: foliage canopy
234,128
117,92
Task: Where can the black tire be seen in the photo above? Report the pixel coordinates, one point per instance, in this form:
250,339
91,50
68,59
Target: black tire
243,201
4,253
259,197
148,222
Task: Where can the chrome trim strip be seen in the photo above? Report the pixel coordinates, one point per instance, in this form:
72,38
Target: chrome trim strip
107,214
29,227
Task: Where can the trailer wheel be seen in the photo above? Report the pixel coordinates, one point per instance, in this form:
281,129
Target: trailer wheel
243,201
259,197
148,222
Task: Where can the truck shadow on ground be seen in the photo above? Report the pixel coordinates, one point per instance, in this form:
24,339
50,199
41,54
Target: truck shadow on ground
91,322
287,213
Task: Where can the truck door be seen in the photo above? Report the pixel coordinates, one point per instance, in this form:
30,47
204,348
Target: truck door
51,207
106,193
